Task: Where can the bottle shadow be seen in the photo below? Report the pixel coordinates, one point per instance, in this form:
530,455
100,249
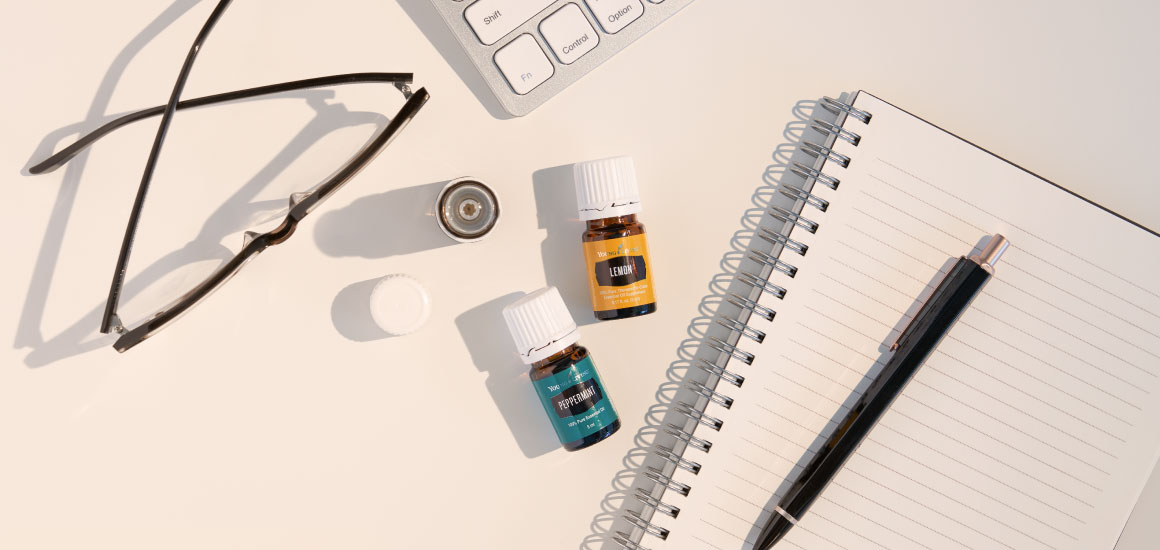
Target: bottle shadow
393,223
486,336
562,251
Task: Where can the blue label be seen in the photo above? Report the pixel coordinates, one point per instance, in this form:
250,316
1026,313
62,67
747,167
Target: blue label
575,401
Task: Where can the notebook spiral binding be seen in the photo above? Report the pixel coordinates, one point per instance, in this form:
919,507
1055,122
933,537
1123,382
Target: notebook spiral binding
748,306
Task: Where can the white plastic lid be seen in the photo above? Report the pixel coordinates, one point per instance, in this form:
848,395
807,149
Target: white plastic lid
400,305
606,188
540,325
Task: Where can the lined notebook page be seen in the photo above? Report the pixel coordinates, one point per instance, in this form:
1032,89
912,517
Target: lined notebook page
1033,426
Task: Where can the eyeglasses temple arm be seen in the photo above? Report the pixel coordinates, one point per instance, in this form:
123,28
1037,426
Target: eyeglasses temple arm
61,158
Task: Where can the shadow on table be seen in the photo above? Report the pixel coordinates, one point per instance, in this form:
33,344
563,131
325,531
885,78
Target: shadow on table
237,214
486,337
351,312
82,336
392,223
562,251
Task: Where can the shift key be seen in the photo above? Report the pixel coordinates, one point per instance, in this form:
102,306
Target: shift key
493,19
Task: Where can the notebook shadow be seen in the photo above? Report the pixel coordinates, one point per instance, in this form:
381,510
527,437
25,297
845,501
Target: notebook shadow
561,251
662,419
486,337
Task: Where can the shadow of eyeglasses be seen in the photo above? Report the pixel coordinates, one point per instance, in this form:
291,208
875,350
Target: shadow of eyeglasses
237,214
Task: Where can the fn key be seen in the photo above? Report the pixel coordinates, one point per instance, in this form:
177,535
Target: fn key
524,64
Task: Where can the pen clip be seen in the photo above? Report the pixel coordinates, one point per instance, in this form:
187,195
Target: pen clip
906,331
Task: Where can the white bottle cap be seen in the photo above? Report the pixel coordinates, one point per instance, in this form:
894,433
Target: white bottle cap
400,305
540,325
606,188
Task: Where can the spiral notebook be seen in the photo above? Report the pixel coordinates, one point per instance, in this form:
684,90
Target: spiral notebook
1035,424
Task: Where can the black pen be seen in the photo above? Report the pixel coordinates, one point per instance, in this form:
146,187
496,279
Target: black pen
916,342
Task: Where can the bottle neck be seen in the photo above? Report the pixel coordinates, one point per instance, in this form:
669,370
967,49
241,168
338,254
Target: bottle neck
556,356
594,225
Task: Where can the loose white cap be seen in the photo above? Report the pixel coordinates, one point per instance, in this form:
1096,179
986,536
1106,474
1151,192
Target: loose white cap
606,188
400,305
540,325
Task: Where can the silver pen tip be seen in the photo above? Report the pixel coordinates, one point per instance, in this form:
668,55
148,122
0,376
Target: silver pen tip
990,254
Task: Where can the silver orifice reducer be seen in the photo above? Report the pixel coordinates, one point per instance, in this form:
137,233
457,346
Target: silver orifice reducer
466,209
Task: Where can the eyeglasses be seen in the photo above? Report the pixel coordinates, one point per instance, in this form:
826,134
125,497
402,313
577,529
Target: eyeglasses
301,204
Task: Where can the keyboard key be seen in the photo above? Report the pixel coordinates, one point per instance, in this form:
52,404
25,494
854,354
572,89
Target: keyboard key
524,64
494,19
569,34
614,15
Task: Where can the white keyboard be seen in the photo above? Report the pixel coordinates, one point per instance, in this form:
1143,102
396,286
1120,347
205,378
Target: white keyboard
530,50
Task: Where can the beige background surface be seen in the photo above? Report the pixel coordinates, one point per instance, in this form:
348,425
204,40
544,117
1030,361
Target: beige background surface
275,415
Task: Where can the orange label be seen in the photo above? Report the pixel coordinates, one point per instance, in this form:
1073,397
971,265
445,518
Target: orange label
619,273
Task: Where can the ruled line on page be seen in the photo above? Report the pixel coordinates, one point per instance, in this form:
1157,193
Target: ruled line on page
1008,264
1069,333
876,362
1019,349
1056,307
985,311
1076,357
1014,264
856,470
830,421
1041,381
1026,250
977,308
811,515
1017,509
889,427
956,440
1025,433
823,497
1019,410
1008,222
1000,482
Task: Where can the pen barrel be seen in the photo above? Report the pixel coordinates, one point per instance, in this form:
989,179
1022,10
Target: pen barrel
932,322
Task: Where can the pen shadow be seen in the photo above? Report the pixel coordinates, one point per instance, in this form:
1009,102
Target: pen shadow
239,212
664,425
486,337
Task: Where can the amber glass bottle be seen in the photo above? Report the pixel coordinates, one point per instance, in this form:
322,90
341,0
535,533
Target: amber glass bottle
620,278
618,229
572,363
562,373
